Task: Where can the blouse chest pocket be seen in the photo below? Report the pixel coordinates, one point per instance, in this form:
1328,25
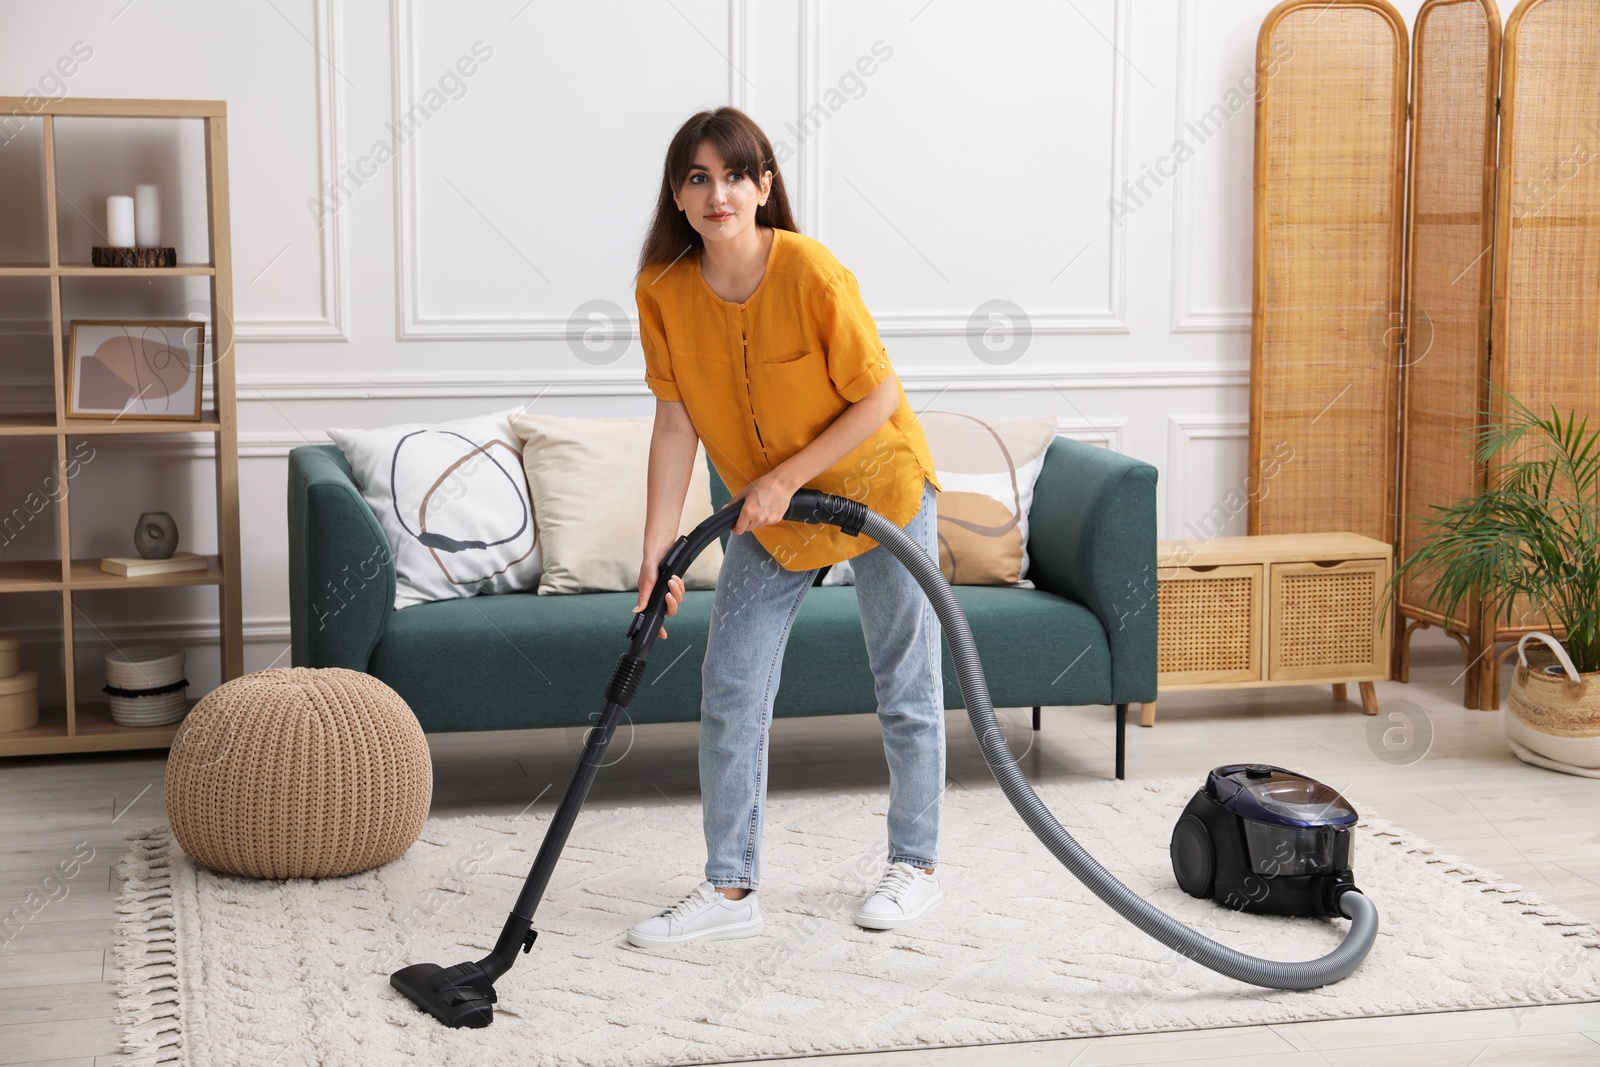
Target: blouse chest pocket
781,357
793,400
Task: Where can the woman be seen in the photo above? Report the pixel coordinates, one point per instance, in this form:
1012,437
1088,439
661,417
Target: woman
757,343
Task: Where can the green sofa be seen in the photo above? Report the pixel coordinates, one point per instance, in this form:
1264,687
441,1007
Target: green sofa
1086,635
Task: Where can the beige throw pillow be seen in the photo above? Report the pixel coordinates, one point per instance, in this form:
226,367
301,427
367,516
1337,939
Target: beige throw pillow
986,468
587,479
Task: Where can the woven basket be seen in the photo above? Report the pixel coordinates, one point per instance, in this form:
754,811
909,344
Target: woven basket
146,667
163,710
299,773
1553,715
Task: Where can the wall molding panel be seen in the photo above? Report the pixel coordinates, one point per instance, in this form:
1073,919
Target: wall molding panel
412,325
492,384
807,205
1105,432
333,243
739,54
630,382
1107,321
1186,318
955,323
1182,432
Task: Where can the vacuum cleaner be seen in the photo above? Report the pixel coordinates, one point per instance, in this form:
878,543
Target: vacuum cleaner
1256,834
1263,839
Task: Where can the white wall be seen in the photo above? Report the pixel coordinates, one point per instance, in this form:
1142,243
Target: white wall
977,162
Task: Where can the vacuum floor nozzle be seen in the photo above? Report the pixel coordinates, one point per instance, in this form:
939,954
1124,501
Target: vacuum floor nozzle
447,994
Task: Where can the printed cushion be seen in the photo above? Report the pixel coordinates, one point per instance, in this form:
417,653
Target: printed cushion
988,468
453,501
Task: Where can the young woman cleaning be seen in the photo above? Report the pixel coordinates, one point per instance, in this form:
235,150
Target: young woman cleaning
757,343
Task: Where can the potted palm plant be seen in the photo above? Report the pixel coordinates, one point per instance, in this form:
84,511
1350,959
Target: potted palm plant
1532,538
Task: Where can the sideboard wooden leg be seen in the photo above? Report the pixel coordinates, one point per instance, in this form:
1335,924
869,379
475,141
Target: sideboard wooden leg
1147,713
1369,698
1341,692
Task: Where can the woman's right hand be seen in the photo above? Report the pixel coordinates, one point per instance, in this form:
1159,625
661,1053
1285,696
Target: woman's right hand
647,584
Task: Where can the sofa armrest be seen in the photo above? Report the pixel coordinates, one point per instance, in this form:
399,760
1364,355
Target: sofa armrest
341,571
1092,539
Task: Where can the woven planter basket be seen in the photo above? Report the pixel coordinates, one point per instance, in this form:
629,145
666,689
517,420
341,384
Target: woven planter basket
299,773
1553,720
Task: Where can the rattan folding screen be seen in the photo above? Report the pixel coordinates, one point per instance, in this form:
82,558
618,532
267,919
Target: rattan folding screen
1329,227
1500,233
1449,270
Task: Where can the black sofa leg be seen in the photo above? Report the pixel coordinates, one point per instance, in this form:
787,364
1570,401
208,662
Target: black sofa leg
1122,738
1036,716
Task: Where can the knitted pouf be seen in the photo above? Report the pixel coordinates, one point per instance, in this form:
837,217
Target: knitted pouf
298,773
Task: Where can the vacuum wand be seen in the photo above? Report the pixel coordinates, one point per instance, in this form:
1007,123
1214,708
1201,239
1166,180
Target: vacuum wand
464,995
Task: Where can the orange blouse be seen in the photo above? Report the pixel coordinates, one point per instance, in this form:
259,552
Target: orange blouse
762,379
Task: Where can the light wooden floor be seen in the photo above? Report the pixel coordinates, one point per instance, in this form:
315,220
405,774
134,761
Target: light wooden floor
1468,796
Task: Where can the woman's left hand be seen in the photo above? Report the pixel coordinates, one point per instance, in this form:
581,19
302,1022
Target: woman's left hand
765,501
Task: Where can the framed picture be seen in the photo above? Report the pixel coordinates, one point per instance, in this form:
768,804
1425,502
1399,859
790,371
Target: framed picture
135,370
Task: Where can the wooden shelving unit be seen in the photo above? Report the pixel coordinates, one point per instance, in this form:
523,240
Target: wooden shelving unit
86,726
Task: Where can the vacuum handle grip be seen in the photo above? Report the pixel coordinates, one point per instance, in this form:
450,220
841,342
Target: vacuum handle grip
807,505
684,551
814,506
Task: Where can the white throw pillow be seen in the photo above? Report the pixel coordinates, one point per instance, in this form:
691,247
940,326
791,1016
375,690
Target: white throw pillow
588,479
453,501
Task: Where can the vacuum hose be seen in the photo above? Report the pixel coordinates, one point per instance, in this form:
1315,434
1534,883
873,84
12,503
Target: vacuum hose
464,994
980,710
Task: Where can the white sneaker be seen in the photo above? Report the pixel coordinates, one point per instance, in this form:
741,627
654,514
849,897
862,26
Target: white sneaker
704,915
905,894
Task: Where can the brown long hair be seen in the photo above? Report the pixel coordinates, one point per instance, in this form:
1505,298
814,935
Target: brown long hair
744,148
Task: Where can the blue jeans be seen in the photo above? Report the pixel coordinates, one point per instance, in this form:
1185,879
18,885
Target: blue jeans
752,612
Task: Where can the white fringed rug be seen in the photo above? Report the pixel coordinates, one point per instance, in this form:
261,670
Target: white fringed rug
220,970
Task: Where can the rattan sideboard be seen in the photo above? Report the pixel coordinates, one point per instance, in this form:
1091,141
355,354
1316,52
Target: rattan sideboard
1280,609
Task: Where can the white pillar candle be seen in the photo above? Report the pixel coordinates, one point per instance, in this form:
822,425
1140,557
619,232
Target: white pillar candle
119,221
147,215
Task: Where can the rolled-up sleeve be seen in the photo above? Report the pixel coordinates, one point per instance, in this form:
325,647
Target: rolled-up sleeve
857,360
653,339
